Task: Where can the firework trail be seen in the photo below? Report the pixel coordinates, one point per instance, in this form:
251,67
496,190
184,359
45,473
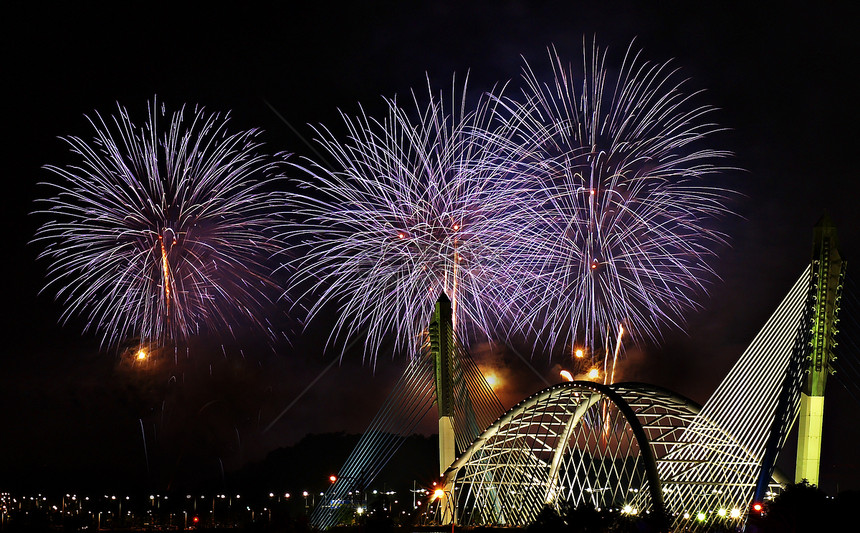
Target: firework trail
417,204
161,233
622,228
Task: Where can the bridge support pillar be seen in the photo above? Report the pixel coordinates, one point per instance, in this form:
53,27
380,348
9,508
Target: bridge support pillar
809,442
828,271
442,346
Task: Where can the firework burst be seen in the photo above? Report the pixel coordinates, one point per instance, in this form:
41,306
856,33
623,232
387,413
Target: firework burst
622,229
415,205
157,233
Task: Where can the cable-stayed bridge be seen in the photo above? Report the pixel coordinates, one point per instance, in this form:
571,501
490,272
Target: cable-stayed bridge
466,406
633,447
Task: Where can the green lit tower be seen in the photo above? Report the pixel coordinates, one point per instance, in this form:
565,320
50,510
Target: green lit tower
828,271
442,346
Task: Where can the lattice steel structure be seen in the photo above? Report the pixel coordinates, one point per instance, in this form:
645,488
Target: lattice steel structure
577,442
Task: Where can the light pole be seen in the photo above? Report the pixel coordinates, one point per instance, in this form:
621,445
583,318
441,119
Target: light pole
446,506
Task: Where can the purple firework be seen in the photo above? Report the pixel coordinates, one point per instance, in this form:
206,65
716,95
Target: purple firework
621,232
414,205
162,230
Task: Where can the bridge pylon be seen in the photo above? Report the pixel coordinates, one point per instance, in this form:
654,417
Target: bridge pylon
828,273
442,347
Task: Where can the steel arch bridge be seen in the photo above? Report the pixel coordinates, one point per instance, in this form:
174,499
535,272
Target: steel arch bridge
574,443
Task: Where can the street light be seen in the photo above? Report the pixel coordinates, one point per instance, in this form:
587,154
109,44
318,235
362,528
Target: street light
446,505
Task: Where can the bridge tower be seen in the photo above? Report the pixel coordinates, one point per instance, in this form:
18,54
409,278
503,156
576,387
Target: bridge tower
828,271
442,347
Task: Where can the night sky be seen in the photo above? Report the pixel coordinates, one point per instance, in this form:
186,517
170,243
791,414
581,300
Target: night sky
780,78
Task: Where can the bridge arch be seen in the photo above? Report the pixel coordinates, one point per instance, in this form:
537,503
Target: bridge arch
572,443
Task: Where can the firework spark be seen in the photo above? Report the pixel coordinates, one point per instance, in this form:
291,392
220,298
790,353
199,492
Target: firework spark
159,234
622,229
415,205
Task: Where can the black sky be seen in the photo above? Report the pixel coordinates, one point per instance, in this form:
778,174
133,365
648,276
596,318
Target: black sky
781,78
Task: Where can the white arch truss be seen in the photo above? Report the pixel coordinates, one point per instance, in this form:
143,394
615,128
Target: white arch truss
573,443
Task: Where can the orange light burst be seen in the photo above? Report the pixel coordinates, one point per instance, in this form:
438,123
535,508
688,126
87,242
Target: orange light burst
165,267
594,373
578,353
141,354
